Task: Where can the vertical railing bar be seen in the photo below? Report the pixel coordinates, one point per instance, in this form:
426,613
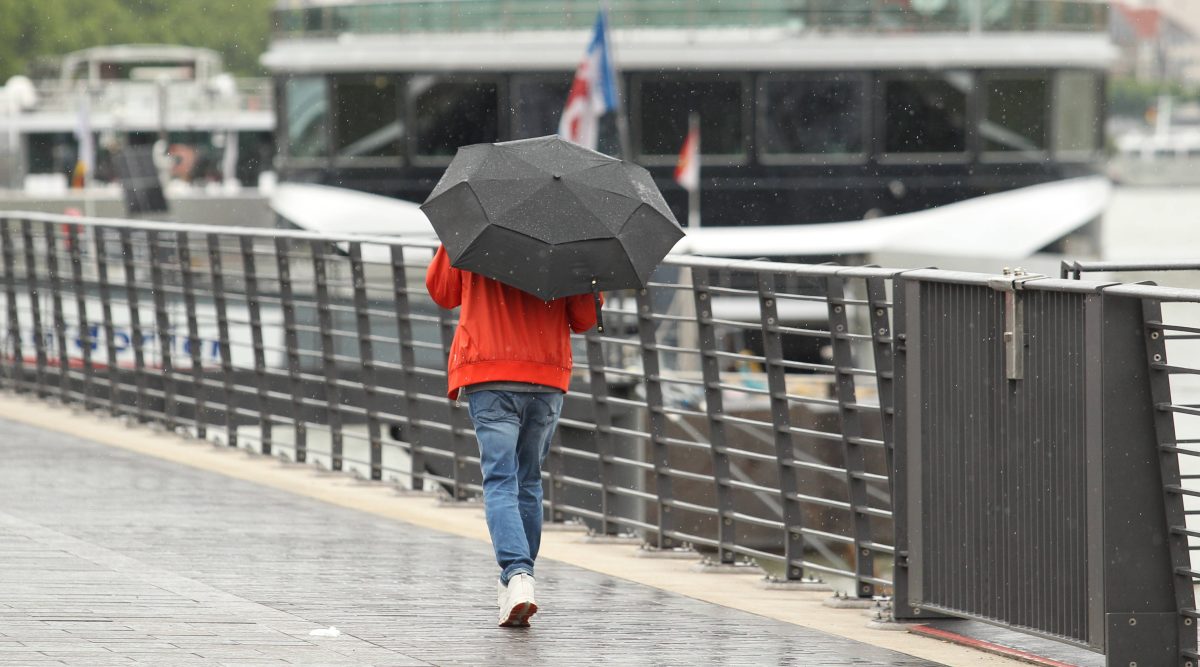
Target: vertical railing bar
85,328
199,390
1164,426
408,360
250,277
110,338
554,472
292,343
219,301
602,413
851,427
166,337
794,540
35,307
14,313
458,419
647,328
714,406
135,322
56,305
333,399
367,357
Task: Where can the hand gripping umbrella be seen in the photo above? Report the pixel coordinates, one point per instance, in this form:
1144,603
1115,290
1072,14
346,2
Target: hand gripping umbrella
551,218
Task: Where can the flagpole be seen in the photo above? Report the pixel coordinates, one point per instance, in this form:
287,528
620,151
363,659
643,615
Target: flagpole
622,118
84,136
694,193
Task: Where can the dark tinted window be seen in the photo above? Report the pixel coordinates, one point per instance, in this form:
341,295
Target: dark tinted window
664,105
51,153
812,116
926,114
255,152
538,104
367,118
454,113
306,106
1016,114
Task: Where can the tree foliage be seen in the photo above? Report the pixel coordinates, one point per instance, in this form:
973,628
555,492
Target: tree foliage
33,30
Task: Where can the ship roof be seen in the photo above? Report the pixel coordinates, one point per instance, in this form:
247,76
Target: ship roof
710,49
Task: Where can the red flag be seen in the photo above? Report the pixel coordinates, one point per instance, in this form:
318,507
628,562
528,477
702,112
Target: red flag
687,170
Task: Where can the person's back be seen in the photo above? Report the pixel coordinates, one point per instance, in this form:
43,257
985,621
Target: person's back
511,356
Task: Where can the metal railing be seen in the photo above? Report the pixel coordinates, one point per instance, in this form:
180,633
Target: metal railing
719,410
323,19
807,419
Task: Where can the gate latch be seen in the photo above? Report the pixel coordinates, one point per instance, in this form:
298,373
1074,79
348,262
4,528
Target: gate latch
1014,318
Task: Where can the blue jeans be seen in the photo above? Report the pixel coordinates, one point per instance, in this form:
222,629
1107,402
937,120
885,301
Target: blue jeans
514,431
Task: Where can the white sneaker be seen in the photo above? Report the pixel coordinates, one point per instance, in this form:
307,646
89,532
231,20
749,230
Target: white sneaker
517,603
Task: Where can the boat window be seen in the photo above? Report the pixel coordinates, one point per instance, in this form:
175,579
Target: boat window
1016,113
51,153
815,115
926,114
255,152
537,104
664,104
367,119
307,106
1076,112
453,111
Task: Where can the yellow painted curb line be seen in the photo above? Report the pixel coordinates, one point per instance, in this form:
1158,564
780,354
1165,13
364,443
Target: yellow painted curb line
737,591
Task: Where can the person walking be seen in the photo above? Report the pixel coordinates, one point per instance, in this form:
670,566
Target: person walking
511,357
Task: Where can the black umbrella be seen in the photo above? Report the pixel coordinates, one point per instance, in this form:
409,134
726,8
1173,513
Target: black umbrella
551,218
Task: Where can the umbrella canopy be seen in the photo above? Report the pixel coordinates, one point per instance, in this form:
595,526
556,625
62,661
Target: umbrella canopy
551,218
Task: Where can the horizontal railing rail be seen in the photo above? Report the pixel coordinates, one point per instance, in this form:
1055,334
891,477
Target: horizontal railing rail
1076,269
753,411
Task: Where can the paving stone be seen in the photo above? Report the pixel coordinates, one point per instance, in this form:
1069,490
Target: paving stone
108,557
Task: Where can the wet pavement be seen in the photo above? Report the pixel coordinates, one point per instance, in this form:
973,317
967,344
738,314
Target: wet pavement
109,557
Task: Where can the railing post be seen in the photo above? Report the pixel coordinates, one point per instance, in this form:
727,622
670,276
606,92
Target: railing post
883,351
366,355
710,368
110,342
199,389
135,322
794,541
647,327
457,419
166,337
602,413
554,472
35,306
250,275
85,328
292,345
14,313
218,287
333,398
56,305
852,434
1168,445
408,360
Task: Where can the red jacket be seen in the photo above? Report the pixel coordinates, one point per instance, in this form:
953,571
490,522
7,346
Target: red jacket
505,334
